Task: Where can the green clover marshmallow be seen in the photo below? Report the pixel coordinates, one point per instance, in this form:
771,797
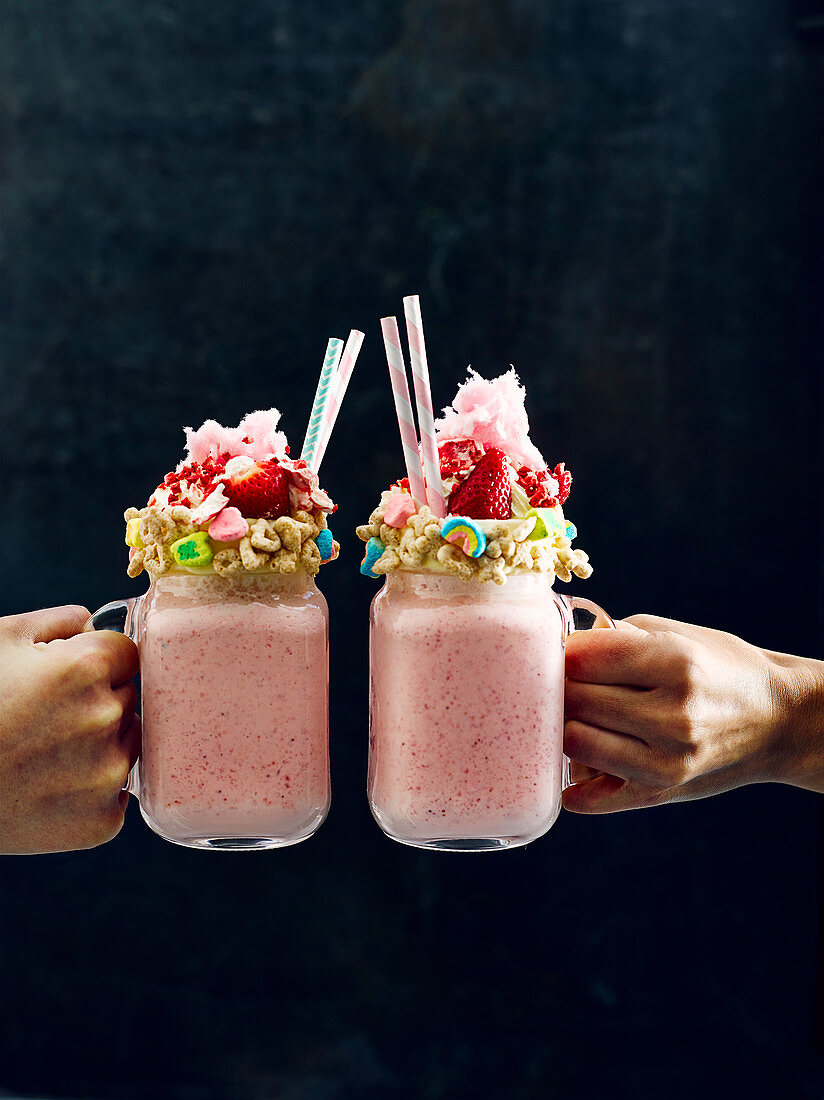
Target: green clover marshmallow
192,550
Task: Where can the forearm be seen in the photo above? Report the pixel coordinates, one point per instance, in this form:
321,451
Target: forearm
800,721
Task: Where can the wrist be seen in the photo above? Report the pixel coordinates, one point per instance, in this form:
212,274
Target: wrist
798,690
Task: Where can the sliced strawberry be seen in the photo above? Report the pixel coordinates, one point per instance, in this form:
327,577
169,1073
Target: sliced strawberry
261,490
486,493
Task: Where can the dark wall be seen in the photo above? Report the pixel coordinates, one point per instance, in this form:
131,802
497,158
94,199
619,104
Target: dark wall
622,199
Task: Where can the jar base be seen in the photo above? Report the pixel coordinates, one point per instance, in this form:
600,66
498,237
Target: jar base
496,840
463,844
235,842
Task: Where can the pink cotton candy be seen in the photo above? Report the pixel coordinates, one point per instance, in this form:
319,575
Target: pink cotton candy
493,413
398,510
256,436
228,525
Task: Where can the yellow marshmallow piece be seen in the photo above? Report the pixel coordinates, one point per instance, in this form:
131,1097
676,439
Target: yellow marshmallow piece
133,534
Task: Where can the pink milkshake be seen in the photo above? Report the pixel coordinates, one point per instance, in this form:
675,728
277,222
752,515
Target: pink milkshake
467,636
233,643
466,726
234,708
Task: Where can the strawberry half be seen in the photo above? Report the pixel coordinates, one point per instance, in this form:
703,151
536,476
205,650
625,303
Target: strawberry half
486,493
261,490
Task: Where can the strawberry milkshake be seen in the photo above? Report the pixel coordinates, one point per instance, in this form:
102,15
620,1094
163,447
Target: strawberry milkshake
467,676
233,643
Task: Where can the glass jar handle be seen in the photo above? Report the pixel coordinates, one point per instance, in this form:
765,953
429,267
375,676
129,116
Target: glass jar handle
585,614
120,616
579,613
117,615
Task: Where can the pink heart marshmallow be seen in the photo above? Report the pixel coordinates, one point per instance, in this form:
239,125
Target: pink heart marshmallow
400,507
228,525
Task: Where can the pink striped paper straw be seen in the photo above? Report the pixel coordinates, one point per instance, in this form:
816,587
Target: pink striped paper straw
339,384
403,407
423,400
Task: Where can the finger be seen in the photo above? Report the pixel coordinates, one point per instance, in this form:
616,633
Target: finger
631,655
656,624
126,695
613,707
651,623
96,821
48,624
590,796
608,794
131,740
120,757
622,656
119,652
605,751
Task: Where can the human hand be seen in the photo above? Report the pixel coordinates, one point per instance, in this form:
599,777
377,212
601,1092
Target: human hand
68,731
661,711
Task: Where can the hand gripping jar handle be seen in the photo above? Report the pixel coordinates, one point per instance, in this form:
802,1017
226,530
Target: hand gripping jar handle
120,616
579,613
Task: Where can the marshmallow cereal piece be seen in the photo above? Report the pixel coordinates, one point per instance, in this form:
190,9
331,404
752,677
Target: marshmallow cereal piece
228,562
264,537
398,510
571,530
326,545
291,532
387,562
228,525
192,550
522,532
310,557
374,550
133,538
250,558
466,534
548,522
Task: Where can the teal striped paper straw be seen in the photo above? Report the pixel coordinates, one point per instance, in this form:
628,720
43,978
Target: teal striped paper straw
334,350
351,351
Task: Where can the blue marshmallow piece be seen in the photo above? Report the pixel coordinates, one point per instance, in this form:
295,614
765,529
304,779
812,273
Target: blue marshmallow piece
571,530
374,549
326,545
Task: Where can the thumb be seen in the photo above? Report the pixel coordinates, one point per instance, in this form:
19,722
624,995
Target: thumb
48,624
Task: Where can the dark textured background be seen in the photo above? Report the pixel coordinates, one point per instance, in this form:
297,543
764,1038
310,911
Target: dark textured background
621,197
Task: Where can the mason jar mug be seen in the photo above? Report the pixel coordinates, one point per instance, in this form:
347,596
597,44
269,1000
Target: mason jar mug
234,707
466,708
